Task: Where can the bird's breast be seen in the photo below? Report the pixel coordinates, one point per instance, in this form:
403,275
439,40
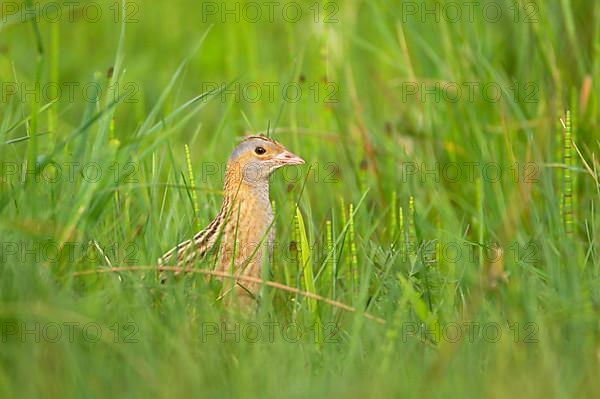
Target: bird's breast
249,234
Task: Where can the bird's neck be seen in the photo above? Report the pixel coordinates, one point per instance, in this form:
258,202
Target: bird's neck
252,195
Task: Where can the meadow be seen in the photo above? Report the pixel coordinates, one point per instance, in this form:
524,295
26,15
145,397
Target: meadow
441,239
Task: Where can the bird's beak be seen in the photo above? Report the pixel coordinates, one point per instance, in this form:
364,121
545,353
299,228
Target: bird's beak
288,158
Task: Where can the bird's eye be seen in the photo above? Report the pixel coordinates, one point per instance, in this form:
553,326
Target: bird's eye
259,150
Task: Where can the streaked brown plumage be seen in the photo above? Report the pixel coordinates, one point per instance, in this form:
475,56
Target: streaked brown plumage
242,233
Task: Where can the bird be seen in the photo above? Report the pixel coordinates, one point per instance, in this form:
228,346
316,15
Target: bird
242,234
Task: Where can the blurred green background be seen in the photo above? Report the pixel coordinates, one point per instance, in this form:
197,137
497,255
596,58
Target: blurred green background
451,191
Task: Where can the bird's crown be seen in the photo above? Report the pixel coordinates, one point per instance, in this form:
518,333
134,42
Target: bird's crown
259,137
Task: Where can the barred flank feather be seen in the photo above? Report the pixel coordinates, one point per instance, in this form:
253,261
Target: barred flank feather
185,254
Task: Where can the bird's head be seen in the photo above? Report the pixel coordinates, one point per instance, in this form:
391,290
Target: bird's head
257,157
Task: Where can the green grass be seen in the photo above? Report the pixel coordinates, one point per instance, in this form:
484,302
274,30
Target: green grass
102,179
